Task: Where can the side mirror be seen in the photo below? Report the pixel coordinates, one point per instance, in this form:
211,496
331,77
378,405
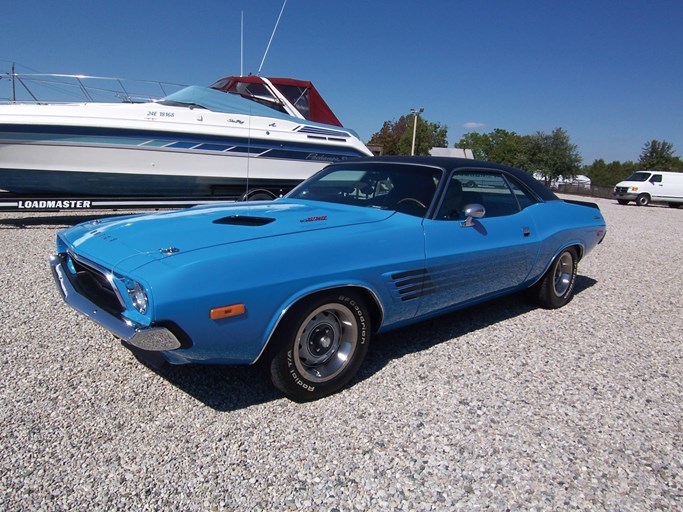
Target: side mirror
472,211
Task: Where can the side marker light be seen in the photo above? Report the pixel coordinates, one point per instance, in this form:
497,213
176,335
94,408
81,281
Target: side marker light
227,311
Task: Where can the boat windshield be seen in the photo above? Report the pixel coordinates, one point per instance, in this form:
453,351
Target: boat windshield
639,176
257,92
216,101
402,188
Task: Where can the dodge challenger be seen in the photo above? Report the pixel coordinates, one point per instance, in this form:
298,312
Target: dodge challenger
303,283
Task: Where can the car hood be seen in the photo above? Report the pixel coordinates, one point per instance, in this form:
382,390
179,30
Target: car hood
125,243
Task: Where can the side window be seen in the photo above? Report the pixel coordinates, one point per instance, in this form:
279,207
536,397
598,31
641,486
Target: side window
297,96
656,178
489,189
523,197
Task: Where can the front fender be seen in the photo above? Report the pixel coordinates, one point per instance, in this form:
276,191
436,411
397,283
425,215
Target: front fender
377,307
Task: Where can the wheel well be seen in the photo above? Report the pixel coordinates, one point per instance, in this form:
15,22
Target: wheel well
371,300
579,251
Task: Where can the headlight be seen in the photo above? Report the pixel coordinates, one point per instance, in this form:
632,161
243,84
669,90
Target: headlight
137,295
634,189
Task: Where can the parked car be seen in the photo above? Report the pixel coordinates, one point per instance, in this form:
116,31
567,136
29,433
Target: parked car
303,283
645,187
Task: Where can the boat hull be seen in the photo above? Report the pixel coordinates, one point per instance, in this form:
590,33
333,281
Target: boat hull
40,169
151,150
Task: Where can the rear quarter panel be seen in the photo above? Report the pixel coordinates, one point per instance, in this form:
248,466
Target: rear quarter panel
560,225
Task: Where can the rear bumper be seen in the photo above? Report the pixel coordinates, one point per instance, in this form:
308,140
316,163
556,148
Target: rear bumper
146,338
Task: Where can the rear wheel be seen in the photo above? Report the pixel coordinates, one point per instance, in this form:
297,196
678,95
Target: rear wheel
643,200
556,287
674,205
320,345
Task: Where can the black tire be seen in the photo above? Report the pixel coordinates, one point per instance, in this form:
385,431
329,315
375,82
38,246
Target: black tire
622,201
643,200
674,205
320,345
556,287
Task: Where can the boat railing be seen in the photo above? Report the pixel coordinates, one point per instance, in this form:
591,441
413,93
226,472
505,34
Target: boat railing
59,88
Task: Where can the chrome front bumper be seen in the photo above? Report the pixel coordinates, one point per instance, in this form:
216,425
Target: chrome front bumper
146,338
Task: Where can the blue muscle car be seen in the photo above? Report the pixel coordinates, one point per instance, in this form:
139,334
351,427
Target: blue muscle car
302,283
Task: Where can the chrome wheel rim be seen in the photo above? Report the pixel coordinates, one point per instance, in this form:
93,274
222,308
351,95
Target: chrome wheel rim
325,342
564,269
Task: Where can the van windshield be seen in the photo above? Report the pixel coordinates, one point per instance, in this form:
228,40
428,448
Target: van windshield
639,176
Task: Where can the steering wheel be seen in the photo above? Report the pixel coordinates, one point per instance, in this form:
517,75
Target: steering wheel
412,200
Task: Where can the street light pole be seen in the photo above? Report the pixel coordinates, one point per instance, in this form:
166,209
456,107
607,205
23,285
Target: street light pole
415,113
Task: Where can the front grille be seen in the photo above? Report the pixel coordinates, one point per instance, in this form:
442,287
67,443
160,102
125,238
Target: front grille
621,190
91,282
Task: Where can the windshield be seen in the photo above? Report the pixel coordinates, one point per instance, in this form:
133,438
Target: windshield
402,188
639,176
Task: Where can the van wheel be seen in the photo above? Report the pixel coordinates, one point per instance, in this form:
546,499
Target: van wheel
643,200
674,205
622,201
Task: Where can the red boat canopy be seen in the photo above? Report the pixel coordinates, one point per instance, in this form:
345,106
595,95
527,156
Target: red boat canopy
300,93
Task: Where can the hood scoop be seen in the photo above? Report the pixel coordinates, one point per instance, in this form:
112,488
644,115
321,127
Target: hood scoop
244,220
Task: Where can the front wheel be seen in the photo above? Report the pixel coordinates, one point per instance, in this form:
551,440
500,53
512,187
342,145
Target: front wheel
321,345
643,200
556,287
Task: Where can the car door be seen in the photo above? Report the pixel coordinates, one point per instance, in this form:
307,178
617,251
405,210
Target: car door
469,259
657,186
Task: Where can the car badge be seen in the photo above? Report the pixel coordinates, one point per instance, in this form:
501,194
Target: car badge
314,219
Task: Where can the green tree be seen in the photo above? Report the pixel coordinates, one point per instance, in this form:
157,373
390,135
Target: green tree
396,137
389,135
659,156
607,175
553,155
498,146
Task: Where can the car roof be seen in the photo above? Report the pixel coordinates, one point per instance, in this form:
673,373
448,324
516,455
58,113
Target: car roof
451,163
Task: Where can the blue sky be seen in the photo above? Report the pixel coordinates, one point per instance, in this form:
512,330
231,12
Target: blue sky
608,72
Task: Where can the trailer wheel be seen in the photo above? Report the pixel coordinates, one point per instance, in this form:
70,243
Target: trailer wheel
258,195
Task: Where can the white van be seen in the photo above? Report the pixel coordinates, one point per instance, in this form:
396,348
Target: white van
645,187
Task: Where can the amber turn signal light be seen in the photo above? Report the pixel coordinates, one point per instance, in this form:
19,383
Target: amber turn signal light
227,311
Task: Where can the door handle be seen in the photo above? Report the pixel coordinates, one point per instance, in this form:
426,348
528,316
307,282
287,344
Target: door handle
526,231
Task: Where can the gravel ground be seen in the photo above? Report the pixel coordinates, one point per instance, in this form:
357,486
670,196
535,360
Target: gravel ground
499,407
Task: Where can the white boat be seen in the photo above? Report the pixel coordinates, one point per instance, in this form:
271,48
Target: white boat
241,136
